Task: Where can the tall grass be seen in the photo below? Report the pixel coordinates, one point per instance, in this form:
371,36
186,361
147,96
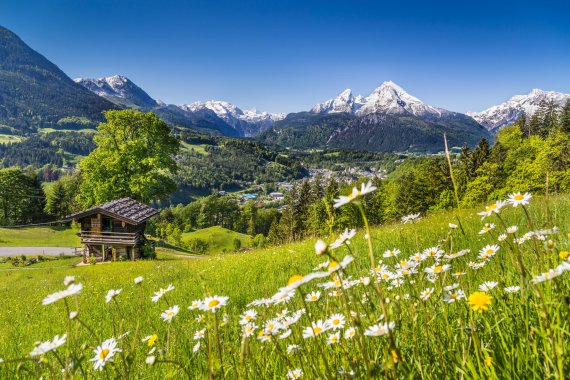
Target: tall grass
396,325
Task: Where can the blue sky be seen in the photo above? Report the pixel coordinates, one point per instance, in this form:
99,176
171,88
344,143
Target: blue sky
284,56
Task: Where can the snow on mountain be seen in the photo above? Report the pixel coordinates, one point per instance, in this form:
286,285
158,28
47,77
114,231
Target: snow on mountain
118,89
506,113
389,98
344,102
251,121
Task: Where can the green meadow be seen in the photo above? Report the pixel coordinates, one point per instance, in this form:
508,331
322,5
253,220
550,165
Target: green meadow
219,239
402,325
39,237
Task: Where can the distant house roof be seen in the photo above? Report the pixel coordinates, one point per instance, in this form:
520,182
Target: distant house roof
125,209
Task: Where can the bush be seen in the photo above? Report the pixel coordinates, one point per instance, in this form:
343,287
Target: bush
259,241
148,252
237,244
197,246
92,260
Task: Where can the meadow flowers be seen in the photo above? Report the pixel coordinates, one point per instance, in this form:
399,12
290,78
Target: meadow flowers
112,294
150,340
321,247
517,199
479,301
313,296
364,189
71,290
294,374
213,303
379,329
315,329
170,313
48,346
104,353
161,292
492,209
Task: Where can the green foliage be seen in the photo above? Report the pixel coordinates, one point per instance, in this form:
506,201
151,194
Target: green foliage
55,148
21,197
383,133
134,157
231,163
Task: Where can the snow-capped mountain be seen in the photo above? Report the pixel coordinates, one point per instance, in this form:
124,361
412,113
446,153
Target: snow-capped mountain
119,90
506,113
344,102
222,116
389,98
251,121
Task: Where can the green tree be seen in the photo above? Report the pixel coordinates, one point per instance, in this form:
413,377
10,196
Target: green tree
564,121
22,198
56,201
134,157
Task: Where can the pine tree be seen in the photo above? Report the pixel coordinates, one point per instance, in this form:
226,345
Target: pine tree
56,204
564,120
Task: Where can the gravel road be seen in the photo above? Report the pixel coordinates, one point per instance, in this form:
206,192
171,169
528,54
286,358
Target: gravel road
33,251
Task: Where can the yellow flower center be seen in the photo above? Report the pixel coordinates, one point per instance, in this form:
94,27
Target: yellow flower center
489,251
313,298
403,263
518,197
103,354
294,279
213,303
336,321
152,340
248,317
333,265
438,269
170,314
317,330
454,296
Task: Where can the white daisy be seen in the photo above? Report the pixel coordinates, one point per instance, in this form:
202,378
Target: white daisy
48,346
313,296
214,303
517,199
294,374
335,322
379,329
315,329
161,292
112,294
487,286
426,293
512,289
104,353
170,313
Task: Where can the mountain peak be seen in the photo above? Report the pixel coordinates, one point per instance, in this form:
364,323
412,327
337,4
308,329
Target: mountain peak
387,98
118,89
501,115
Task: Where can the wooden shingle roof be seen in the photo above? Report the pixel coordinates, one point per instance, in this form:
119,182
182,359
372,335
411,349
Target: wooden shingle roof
125,209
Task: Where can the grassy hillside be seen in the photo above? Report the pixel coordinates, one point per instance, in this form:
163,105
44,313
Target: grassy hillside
39,237
525,332
219,239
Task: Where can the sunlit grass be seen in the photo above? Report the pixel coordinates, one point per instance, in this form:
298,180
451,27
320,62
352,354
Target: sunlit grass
521,334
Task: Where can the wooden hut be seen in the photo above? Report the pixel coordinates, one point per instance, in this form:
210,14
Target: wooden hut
113,228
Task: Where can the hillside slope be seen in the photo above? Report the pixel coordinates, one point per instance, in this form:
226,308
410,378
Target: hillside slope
36,93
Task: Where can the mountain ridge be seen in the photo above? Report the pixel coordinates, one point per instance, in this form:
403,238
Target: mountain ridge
499,116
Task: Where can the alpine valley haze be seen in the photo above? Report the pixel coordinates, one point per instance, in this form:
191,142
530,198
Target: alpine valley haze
284,190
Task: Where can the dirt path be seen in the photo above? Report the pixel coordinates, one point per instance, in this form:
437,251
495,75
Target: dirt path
33,251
